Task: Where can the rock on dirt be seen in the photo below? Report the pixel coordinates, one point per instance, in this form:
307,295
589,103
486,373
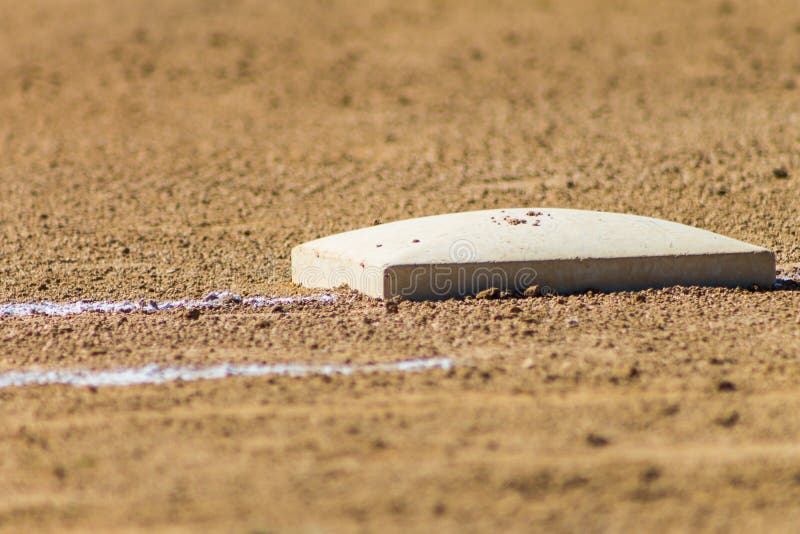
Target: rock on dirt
392,304
192,314
596,440
533,291
728,420
780,172
493,293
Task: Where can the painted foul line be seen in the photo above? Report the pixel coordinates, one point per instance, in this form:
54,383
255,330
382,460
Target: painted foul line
153,374
212,300
791,283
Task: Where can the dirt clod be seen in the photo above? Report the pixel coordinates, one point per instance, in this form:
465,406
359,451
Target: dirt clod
597,440
392,305
492,293
651,474
728,420
533,291
780,172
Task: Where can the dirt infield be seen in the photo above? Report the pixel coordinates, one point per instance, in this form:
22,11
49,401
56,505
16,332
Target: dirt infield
163,150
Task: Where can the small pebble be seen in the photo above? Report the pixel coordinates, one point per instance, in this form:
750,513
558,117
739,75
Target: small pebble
533,291
392,304
596,440
728,420
492,293
780,172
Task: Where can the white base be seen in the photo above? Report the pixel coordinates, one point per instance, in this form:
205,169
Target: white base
566,251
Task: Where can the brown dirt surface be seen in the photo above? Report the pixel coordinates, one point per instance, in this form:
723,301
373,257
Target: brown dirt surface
165,149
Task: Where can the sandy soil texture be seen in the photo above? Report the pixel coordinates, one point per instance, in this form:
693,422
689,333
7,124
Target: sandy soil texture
165,149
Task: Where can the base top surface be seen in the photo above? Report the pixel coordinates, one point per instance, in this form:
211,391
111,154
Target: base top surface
522,234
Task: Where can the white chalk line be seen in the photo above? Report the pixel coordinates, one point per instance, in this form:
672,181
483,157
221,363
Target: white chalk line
791,282
212,300
153,374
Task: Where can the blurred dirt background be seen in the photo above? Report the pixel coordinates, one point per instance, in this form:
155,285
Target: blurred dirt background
164,149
